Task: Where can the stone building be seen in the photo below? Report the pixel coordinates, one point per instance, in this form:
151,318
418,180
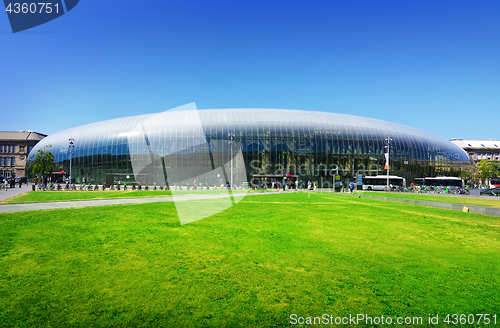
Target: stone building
480,149
14,150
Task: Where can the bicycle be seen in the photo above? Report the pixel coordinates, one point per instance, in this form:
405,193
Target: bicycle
41,187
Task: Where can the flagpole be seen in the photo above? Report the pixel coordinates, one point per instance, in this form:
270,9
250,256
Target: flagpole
387,159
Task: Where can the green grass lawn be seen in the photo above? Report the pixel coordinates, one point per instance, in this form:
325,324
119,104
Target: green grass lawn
62,196
252,265
493,202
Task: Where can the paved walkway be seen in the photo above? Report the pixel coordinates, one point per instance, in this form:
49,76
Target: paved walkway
495,211
14,191
119,201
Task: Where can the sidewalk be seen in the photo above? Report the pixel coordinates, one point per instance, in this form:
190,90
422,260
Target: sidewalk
494,211
14,191
106,202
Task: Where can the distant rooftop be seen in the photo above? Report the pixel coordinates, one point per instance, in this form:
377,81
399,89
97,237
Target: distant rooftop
477,143
21,136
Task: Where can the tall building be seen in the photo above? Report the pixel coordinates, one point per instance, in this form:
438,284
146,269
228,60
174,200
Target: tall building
181,146
14,150
480,149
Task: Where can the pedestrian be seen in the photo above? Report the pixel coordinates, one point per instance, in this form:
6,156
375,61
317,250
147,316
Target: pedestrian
20,183
351,187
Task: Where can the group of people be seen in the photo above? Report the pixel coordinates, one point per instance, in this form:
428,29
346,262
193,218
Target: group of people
312,186
11,182
284,185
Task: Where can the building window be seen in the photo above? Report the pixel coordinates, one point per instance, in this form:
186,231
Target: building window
30,148
1,148
13,161
1,161
13,149
7,161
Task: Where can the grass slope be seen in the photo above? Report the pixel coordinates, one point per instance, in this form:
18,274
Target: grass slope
493,202
254,264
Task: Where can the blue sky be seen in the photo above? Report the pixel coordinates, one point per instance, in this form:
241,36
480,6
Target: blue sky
432,65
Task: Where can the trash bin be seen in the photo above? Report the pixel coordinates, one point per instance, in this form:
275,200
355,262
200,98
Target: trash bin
33,187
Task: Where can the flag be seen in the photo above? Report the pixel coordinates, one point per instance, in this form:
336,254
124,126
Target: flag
386,167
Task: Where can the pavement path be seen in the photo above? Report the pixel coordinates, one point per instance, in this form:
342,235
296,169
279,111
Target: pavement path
11,192
495,211
120,201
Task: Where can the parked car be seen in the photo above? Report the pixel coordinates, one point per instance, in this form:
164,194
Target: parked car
491,192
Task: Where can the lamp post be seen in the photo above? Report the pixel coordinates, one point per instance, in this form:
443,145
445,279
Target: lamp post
388,139
231,138
70,148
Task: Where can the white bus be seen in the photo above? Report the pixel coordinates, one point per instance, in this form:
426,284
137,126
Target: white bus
440,182
494,182
379,182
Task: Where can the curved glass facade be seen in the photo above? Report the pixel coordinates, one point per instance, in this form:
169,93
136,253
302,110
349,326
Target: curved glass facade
311,145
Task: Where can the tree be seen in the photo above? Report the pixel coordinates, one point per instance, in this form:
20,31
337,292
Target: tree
43,163
487,169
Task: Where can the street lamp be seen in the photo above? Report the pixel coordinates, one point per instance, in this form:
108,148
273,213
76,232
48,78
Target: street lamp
70,148
231,138
387,159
